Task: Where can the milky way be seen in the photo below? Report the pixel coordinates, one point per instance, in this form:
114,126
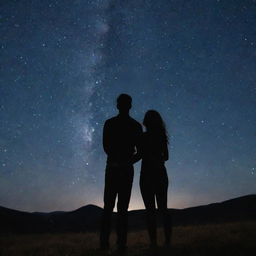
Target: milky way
63,64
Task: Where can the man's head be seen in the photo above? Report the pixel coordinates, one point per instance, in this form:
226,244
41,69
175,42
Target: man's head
124,103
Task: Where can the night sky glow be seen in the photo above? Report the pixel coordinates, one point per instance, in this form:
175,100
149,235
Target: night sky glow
62,65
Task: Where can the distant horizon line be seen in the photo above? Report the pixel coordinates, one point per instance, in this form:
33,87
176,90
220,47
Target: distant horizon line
139,209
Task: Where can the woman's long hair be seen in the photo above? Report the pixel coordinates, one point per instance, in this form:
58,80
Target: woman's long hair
156,126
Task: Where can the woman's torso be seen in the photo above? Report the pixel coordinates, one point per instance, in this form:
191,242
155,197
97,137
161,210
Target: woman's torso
153,154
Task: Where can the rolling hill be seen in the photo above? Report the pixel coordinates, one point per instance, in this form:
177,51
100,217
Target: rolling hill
88,218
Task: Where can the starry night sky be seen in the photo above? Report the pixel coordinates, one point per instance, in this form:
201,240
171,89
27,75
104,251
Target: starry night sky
62,65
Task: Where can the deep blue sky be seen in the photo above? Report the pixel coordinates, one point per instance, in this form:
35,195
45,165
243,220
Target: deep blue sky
63,63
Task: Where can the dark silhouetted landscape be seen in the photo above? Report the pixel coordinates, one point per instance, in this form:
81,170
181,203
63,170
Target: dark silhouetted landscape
225,228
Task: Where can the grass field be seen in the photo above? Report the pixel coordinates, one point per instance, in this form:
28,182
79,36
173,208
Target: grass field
222,239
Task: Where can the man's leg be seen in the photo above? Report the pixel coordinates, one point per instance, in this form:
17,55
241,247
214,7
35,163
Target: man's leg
124,194
110,192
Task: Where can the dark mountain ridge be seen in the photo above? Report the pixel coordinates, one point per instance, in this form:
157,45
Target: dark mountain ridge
88,218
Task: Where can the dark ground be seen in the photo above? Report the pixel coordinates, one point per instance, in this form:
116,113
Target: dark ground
234,239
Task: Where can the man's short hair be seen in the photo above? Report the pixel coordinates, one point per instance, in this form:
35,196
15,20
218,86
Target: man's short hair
124,99
124,102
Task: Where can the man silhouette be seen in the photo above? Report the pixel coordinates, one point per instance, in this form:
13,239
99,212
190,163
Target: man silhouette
121,135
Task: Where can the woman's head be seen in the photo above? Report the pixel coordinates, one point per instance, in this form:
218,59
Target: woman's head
154,123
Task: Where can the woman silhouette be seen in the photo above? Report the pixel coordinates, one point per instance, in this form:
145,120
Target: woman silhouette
153,178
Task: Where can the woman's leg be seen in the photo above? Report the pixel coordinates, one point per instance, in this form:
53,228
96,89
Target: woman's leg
161,197
148,196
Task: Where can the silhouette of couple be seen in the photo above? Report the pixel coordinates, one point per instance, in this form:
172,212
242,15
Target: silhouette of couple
125,143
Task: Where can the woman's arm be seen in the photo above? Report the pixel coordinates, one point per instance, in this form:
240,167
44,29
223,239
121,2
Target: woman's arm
166,152
138,155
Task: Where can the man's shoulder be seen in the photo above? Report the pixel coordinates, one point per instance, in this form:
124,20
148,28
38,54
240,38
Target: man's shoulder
111,120
116,120
136,123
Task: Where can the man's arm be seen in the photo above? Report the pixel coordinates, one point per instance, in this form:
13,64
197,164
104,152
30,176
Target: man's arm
106,138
